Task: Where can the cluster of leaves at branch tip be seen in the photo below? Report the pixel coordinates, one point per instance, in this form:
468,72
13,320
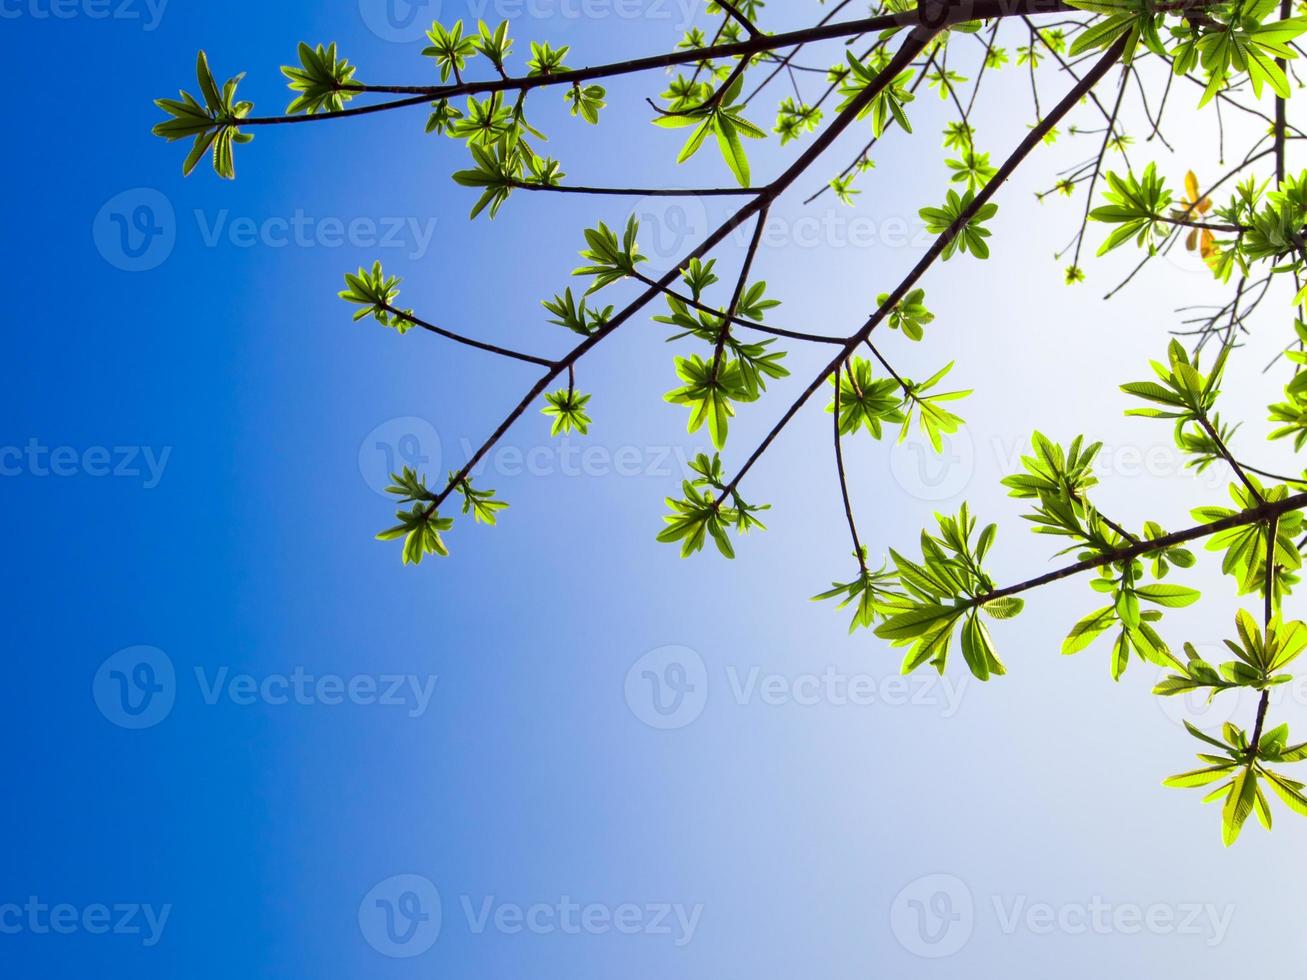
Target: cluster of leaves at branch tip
1255,224
212,123
867,402
421,525
945,596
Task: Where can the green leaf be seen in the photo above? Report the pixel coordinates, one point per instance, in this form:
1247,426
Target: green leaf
1089,629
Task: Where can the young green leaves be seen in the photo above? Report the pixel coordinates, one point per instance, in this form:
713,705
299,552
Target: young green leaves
1137,205
501,166
970,235
734,370
576,317
718,116
888,104
375,293
909,314
1059,479
213,123
609,260
703,511
1259,664
421,525
933,419
1290,415
1137,19
481,504
1246,547
866,402
711,387
1238,39
1137,632
586,101
450,49
567,408
873,595
1241,769
945,589
1053,471
794,119
1185,393
324,81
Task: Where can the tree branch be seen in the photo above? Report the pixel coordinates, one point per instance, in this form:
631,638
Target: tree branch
928,16
468,341
1033,139
1253,515
911,47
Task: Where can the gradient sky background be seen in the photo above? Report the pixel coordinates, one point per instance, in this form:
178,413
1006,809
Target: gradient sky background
801,832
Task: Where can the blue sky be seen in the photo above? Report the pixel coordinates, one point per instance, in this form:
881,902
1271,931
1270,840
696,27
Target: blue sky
197,431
